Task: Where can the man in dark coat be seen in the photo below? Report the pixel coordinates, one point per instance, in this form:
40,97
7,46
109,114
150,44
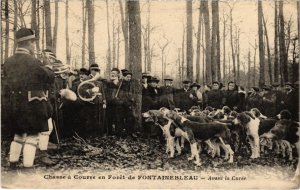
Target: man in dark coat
116,100
291,100
279,94
214,97
167,94
269,102
154,93
231,96
254,99
146,99
28,83
184,97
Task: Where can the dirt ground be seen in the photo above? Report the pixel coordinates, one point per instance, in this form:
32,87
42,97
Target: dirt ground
111,162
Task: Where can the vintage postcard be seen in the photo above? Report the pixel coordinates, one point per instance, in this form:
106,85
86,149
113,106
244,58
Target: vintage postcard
150,94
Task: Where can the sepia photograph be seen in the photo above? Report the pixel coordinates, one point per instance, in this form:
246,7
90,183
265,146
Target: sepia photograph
150,94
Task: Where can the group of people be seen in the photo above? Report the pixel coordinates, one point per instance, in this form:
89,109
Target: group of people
35,105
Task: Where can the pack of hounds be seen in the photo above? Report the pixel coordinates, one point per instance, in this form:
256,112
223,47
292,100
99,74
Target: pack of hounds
227,130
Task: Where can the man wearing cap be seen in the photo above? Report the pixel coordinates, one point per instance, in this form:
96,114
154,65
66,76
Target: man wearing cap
213,98
28,83
116,98
167,94
254,99
269,102
291,100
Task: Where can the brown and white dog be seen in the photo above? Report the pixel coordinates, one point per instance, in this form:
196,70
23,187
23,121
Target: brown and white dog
287,132
203,132
251,125
171,131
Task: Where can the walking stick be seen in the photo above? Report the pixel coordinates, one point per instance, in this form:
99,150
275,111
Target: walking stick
56,134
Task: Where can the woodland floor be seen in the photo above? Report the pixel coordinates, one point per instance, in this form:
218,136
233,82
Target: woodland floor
114,156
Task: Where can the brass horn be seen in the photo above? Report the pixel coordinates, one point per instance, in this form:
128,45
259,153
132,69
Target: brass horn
87,90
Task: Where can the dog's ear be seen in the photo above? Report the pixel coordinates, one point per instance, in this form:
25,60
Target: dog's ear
285,114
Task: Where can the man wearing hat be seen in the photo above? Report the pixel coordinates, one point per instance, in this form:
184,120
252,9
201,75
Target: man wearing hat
146,99
279,96
116,98
92,111
254,99
129,102
28,83
167,94
154,93
291,100
213,98
269,102
183,98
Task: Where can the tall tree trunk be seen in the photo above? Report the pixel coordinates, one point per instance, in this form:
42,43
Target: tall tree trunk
118,46
254,65
84,16
249,69
204,6
125,31
113,38
48,24
215,47
232,46
268,51
91,30
224,48
179,66
238,55
6,29
148,39
198,46
276,69
56,27
108,65
189,40
15,23
68,52
37,30
261,46
282,48
43,28
135,56
203,55
183,55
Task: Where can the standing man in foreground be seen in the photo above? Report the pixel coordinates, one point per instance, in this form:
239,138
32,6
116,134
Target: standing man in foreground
28,83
